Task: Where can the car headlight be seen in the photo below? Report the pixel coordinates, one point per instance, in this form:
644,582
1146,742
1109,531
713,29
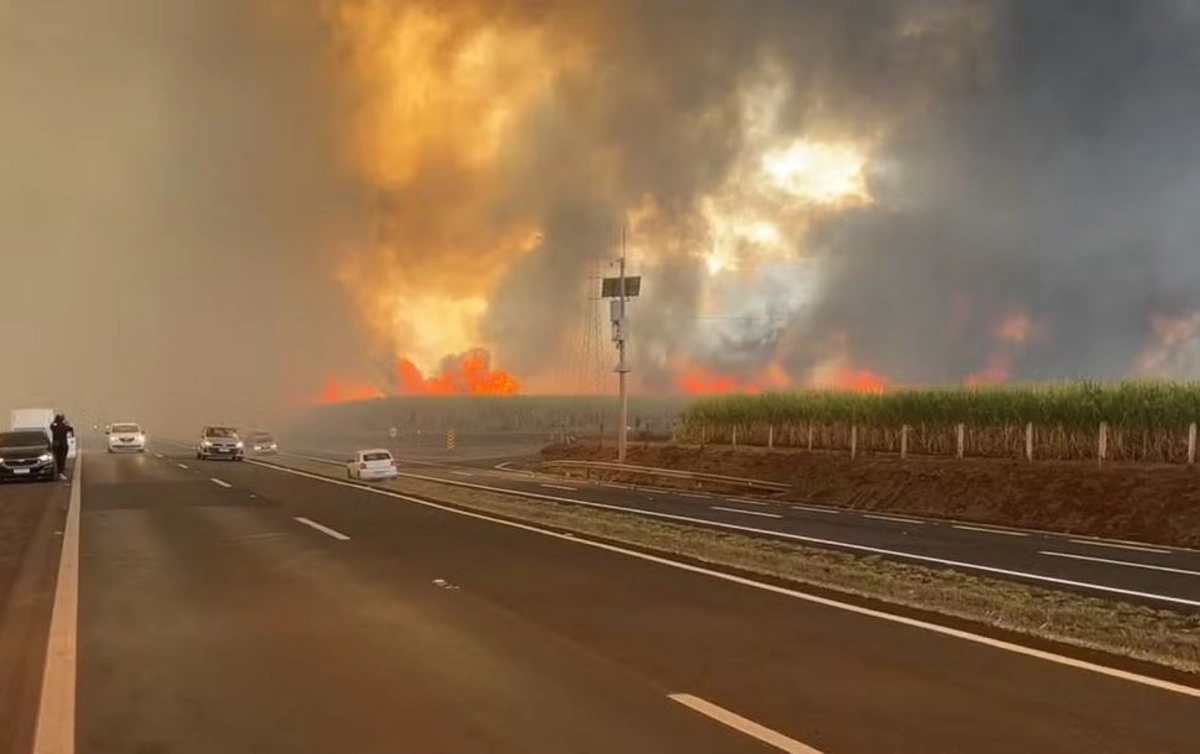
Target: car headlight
241,444
46,458
205,443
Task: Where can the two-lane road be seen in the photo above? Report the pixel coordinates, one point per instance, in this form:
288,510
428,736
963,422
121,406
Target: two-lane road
232,607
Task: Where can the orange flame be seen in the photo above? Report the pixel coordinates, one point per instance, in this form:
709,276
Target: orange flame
335,390
860,381
468,374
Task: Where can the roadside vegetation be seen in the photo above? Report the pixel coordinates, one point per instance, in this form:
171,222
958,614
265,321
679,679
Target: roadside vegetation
1145,421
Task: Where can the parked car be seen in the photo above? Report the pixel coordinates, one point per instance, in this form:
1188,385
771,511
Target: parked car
220,442
126,437
26,454
372,465
39,418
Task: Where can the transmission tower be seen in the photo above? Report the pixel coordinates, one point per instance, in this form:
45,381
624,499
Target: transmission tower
591,364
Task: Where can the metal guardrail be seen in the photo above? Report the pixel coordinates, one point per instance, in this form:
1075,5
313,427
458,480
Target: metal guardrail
698,476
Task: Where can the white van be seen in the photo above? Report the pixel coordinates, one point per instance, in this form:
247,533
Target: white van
38,418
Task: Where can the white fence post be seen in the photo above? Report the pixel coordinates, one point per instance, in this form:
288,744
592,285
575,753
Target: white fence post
770,436
810,436
1192,444
734,440
960,438
1029,442
1102,450
904,442
853,441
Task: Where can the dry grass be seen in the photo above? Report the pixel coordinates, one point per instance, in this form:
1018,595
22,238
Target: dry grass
1159,636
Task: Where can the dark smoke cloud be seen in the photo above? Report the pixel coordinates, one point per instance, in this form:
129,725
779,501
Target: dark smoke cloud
1060,178
169,212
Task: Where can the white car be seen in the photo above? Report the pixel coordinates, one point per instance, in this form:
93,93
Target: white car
126,437
372,465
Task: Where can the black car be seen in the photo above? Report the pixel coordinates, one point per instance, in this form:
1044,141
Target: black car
26,454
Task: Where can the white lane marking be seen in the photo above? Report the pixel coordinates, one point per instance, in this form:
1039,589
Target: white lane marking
985,530
760,514
656,490
182,465
795,537
809,509
322,528
1147,566
987,641
559,487
220,483
897,519
746,501
694,495
743,725
55,729
1097,543
503,466
158,455
462,473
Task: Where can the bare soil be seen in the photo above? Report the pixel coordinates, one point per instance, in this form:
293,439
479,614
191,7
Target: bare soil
1145,502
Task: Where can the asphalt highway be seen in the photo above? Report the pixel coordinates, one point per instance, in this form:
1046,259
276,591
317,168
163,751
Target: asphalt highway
241,608
1132,572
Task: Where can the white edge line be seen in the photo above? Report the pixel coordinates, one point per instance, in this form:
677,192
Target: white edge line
559,487
1007,646
746,501
693,495
1003,532
158,455
802,538
1098,543
220,483
55,728
323,529
181,465
1147,566
742,724
896,519
760,514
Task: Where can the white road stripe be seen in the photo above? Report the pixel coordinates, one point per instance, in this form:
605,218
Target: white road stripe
462,473
830,511
1097,543
897,519
746,501
323,529
559,487
220,483
1005,532
1147,566
55,728
158,455
694,495
1091,667
743,725
182,465
760,514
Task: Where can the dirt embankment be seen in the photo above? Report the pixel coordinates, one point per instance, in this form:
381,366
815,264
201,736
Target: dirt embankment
1144,502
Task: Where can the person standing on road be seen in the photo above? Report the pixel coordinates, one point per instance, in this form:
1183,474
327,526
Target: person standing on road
60,434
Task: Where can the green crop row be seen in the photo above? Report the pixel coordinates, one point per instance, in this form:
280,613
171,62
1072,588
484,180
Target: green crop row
1074,405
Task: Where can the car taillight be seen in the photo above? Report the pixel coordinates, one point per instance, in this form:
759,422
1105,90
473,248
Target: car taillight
393,463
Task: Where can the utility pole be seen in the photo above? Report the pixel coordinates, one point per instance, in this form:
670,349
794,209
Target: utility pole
619,290
622,367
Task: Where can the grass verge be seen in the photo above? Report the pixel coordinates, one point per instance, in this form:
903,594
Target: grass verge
1163,637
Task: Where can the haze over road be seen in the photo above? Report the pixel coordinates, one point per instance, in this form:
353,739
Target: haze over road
234,607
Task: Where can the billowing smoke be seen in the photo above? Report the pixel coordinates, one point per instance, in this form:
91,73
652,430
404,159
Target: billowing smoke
226,203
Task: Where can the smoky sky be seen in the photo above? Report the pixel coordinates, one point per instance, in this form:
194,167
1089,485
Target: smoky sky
1037,157
170,210
172,192
1060,179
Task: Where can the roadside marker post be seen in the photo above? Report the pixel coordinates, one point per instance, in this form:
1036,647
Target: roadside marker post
450,441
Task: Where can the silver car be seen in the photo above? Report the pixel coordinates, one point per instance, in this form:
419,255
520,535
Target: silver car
220,442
